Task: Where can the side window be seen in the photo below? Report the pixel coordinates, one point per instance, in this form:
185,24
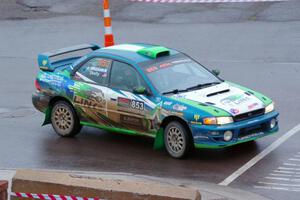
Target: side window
94,71
125,77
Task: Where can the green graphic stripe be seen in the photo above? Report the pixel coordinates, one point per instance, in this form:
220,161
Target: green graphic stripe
118,130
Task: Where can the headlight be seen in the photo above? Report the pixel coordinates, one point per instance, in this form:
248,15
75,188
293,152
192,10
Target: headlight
269,108
217,120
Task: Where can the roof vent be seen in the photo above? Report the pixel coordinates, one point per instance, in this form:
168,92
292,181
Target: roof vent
154,52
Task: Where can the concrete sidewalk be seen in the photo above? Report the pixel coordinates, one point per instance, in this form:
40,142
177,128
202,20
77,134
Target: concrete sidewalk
208,191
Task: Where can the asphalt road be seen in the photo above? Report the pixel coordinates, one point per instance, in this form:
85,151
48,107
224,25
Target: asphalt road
254,44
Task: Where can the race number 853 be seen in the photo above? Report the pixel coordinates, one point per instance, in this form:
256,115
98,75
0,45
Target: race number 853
138,105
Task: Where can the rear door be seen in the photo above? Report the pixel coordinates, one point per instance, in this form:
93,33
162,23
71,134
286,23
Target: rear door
90,88
131,111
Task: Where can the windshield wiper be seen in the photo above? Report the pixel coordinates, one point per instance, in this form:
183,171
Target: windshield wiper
176,91
199,86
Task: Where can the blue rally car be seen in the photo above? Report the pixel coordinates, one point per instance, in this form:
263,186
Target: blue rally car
148,90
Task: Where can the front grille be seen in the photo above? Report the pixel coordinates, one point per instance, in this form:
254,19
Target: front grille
249,115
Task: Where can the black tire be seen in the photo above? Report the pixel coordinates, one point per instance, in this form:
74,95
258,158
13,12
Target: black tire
177,140
64,119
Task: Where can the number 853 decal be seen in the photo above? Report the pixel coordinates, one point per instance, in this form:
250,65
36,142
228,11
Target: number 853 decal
131,103
138,105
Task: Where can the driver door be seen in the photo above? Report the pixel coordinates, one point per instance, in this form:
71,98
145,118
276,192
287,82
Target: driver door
128,109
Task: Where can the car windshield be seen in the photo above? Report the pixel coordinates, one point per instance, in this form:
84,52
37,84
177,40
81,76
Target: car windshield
178,74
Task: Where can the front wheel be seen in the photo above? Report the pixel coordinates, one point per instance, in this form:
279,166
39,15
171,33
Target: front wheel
64,119
177,140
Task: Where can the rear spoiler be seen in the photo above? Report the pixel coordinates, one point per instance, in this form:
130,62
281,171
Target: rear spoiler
44,58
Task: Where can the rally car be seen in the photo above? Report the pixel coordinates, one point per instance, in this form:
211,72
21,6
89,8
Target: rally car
149,90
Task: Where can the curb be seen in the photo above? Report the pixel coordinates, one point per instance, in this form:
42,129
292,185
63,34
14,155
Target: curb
209,191
45,185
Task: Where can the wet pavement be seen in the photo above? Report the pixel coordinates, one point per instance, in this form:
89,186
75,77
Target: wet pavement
262,54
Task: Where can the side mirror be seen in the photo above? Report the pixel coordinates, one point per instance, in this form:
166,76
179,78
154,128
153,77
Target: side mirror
141,90
216,72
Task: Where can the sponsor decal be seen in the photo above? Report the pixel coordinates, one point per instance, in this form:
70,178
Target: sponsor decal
199,137
180,96
164,65
124,102
44,62
104,63
196,118
181,61
252,106
98,97
235,100
98,72
234,111
179,107
54,80
131,121
90,103
251,136
168,103
151,69
155,68
131,103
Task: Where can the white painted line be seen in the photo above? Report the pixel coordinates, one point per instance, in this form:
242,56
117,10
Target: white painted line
277,178
283,179
260,156
281,184
285,175
291,164
287,168
277,188
294,159
285,172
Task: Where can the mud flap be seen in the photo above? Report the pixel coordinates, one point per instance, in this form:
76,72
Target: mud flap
47,116
159,140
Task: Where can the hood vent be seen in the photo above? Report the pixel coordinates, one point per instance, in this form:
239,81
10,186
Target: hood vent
216,93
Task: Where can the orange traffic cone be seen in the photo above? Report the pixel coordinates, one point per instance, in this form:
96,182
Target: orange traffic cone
108,37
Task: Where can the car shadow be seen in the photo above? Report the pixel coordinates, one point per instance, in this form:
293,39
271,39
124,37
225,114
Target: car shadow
97,150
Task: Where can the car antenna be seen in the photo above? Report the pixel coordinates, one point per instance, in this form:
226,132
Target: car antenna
108,35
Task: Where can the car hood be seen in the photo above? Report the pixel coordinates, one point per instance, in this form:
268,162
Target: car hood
225,96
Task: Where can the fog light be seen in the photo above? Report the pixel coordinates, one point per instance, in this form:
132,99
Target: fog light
273,123
228,135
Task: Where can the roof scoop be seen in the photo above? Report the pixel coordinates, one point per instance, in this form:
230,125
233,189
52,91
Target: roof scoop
154,52
219,92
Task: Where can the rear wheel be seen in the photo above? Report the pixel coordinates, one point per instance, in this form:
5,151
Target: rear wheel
177,140
64,120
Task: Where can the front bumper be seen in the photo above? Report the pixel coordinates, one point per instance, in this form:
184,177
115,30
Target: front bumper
243,131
